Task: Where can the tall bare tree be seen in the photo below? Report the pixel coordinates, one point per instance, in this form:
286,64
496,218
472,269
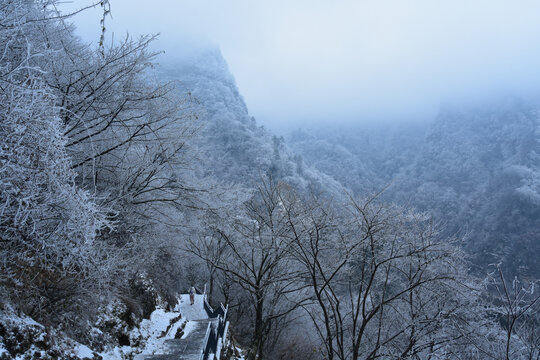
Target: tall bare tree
517,306
382,283
255,255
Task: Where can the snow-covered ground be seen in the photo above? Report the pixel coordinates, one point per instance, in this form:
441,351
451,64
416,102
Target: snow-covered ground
3,351
147,339
153,329
27,339
153,332
191,312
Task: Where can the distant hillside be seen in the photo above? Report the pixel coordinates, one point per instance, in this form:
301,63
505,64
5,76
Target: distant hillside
475,169
363,158
234,147
479,170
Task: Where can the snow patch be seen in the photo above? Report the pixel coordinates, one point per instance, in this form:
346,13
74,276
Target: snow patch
84,351
153,331
190,326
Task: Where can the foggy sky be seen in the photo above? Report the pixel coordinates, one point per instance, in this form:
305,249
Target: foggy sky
297,60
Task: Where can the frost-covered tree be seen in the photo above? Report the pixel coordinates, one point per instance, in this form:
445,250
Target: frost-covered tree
49,255
96,164
252,252
516,306
383,283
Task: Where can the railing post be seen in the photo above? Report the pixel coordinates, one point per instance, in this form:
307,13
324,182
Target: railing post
206,337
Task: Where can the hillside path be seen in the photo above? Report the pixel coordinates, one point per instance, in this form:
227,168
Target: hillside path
190,346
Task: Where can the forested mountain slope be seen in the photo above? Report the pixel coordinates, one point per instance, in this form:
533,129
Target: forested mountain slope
477,169
233,147
363,158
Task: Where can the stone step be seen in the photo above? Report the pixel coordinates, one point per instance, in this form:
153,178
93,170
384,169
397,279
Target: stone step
189,348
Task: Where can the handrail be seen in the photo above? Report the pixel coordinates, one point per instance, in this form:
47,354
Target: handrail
205,342
208,308
220,331
225,331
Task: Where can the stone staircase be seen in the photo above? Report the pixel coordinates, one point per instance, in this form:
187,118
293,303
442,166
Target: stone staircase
189,348
194,345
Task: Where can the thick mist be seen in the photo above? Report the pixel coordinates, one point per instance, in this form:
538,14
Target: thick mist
348,61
